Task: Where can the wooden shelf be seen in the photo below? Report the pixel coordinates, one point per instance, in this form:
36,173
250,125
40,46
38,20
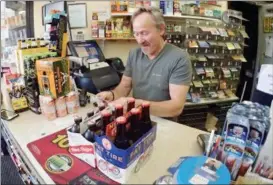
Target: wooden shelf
206,4
115,39
174,16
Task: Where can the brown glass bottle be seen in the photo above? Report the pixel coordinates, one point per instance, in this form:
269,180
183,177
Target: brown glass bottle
106,119
146,123
89,134
131,104
121,141
135,130
90,114
118,110
76,127
101,106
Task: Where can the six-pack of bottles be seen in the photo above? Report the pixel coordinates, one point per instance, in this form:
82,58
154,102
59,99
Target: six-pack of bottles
114,140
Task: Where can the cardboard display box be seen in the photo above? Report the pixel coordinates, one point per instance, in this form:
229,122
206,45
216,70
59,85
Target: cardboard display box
53,76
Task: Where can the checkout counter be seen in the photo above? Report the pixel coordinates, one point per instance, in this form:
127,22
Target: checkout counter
173,141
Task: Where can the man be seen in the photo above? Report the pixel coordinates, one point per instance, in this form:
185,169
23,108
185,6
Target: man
157,72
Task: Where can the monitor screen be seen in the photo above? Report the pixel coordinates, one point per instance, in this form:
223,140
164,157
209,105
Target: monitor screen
89,50
46,9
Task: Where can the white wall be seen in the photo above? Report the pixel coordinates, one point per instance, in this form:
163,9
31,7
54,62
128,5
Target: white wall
110,48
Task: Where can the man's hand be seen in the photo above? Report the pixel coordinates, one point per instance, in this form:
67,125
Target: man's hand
106,95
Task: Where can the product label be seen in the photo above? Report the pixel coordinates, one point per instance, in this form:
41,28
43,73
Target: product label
234,147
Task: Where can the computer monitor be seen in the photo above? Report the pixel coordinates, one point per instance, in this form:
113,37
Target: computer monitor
59,5
88,48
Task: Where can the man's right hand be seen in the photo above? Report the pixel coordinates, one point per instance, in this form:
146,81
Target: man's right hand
106,95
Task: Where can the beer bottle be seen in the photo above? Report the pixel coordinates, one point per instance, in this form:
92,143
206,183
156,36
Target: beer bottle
101,106
90,114
89,134
118,110
106,117
121,141
76,127
146,123
135,131
131,104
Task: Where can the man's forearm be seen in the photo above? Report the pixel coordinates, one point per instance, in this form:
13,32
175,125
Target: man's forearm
121,92
164,108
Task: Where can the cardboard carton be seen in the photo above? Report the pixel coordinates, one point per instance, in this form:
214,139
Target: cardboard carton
119,164
53,77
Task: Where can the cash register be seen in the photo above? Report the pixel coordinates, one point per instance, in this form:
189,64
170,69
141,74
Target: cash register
91,70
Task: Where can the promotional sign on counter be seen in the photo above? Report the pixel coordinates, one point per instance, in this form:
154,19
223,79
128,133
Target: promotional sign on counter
62,167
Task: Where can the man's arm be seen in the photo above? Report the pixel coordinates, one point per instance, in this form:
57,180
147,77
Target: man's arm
124,87
169,108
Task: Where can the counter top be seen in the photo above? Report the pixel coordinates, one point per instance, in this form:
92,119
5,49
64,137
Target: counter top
173,140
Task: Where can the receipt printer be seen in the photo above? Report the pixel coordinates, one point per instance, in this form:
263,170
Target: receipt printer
91,70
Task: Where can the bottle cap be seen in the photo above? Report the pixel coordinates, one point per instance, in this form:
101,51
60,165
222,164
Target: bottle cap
131,99
91,113
135,111
105,113
146,104
121,120
118,106
78,120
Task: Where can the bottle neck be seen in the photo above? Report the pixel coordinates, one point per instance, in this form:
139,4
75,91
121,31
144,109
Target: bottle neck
134,120
146,114
119,112
121,130
105,122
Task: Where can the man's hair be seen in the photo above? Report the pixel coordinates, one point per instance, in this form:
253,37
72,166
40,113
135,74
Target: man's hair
154,12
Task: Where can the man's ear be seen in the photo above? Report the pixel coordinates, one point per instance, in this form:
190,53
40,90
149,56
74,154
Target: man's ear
162,29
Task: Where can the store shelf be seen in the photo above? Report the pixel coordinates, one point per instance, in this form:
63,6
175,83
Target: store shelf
174,16
115,39
206,4
209,101
17,27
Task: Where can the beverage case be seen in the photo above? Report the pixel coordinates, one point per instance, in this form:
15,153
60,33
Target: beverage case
119,164
81,147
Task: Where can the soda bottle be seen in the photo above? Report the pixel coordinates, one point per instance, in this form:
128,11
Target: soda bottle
118,110
121,141
146,123
135,131
131,104
76,127
89,134
106,117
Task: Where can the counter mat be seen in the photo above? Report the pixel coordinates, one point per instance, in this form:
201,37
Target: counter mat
63,168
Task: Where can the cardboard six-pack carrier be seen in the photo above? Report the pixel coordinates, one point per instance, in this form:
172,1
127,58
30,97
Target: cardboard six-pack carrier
118,164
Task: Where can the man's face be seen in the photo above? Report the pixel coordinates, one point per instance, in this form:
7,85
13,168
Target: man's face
147,34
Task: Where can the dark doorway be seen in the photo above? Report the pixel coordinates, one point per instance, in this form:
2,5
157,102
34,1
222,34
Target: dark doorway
251,13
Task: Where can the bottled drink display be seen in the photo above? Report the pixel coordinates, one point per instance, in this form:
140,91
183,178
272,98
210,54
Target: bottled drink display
76,127
146,123
121,141
135,131
131,104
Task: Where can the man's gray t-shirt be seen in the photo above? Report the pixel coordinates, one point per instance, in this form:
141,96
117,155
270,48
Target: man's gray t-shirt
151,78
